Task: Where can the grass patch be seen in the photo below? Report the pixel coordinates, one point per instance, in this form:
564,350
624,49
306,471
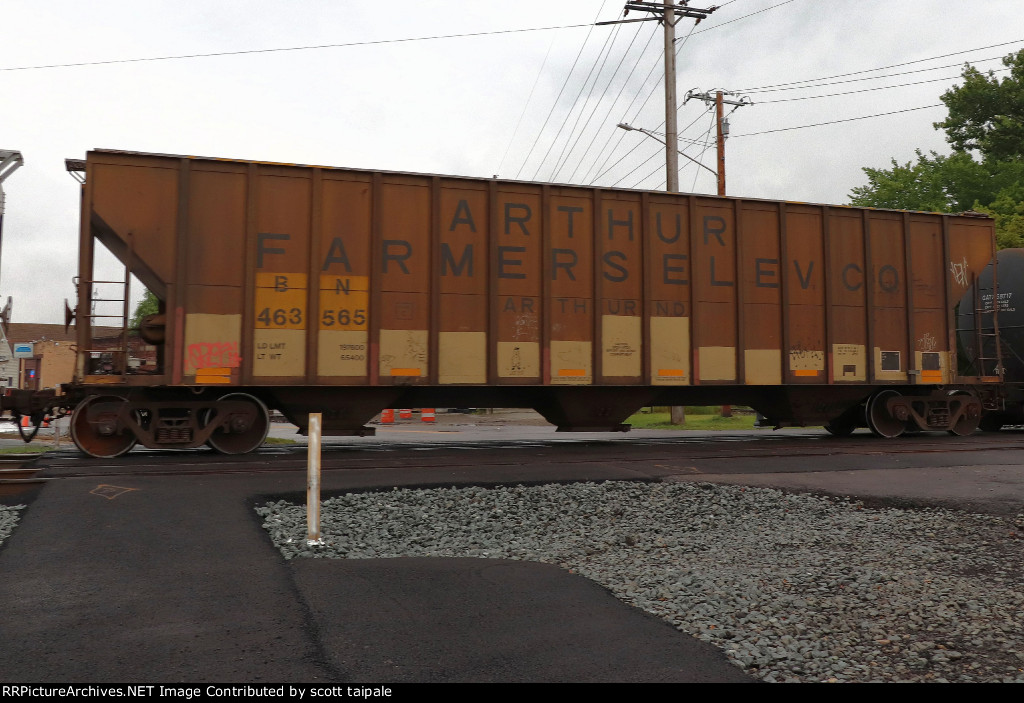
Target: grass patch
278,440
27,449
694,421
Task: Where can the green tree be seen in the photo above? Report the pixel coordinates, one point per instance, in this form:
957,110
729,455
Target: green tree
149,305
934,183
938,183
986,114
985,172
1008,211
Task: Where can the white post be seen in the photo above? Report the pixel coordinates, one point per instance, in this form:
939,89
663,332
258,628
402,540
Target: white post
313,480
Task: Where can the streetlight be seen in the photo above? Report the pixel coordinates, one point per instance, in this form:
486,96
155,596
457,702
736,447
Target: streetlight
652,135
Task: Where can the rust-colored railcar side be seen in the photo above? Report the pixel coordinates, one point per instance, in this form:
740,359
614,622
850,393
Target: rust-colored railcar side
345,292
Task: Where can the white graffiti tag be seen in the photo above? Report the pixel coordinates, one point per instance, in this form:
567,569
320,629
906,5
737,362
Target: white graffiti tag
959,271
927,342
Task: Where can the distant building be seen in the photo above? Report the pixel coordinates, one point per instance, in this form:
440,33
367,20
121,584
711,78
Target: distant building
43,356
8,363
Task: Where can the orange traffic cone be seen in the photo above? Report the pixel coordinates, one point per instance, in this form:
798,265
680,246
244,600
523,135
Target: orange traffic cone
387,417
24,421
46,421
427,415
405,413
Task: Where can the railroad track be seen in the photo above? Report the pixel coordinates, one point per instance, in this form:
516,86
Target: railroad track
18,474
733,453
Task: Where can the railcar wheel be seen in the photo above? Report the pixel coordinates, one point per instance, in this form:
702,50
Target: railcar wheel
240,432
878,418
837,428
968,422
96,430
990,423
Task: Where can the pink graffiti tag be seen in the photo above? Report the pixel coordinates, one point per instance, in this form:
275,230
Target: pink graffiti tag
205,355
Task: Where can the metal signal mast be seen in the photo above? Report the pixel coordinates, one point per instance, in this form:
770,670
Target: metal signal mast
10,161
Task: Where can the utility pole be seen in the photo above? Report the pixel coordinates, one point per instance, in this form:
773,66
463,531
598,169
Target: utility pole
669,15
720,137
722,133
723,124
671,123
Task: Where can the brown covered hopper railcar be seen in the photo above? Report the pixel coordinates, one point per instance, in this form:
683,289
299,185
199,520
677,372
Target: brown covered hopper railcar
341,291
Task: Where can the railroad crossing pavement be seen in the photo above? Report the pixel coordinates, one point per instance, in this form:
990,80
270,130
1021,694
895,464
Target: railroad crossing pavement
977,474
172,579
983,473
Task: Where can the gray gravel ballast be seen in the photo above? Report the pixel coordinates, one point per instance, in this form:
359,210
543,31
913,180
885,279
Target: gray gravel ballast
8,520
790,587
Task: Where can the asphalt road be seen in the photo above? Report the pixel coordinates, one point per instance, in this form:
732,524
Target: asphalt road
155,568
981,473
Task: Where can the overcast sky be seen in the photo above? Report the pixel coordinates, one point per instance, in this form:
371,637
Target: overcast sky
535,105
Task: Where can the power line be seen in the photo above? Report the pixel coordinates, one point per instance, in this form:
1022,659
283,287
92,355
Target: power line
884,68
677,52
849,119
707,143
659,152
771,7
660,168
867,90
559,96
525,106
611,107
756,12
242,52
602,53
637,146
593,111
628,107
684,139
621,159
650,94
866,78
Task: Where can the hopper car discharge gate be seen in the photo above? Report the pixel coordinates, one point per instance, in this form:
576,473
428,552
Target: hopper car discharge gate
345,292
